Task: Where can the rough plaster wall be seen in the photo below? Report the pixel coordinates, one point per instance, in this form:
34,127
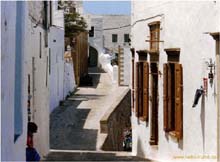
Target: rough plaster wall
97,40
12,150
40,93
35,11
69,78
56,45
185,31
115,21
57,16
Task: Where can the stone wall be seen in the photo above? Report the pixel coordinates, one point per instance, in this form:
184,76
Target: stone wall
115,121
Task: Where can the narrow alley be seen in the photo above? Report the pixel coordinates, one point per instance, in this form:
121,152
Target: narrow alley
129,80
75,126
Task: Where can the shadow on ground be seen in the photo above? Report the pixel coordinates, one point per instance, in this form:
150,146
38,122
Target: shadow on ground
66,128
67,121
90,156
95,73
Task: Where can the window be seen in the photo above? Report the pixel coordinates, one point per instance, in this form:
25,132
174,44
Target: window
154,35
173,99
91,32
126,38
114,38
142,94
154,103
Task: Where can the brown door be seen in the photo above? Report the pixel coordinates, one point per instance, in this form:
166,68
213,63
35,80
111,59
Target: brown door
154,104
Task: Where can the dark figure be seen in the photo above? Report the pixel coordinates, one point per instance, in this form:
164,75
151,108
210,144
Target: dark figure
127,141
198,94
31,153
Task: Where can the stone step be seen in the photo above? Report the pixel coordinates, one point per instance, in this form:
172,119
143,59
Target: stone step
79,155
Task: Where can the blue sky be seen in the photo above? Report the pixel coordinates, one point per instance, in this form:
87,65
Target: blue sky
107,7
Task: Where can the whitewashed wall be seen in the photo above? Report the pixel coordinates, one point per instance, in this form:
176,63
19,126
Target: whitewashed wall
97,40
69,78
39,72
56,66
103,36
183,25
21,25
13,33
40,91
117,25
62,80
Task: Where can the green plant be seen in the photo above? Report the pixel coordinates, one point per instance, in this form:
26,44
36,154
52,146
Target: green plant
74,24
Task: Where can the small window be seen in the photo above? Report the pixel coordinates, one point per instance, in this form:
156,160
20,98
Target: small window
126,38
154,35
114,38
91,32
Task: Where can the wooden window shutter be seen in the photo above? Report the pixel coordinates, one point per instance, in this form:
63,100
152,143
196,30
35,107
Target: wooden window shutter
178,101
165,97
137,89
145,90
140,89
169,98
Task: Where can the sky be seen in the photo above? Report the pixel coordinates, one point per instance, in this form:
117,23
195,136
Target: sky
107,7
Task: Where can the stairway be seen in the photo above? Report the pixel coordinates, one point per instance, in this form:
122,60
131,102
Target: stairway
121,66
79,155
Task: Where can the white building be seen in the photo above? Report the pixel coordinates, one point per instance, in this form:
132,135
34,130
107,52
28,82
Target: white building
106,34
172,53
13,92
109,31
58,70
32,73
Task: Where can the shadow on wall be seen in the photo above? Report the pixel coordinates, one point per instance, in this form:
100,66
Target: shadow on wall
202,118
93,57
66,126
140,148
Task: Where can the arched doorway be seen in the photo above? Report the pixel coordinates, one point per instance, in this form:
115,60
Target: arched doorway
93,57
